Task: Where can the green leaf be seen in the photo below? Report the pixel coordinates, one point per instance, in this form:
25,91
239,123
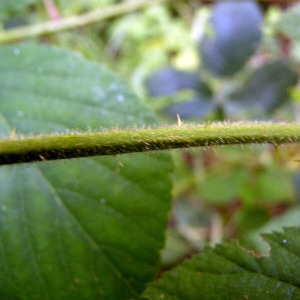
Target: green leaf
287,26
10,7
231,272
250,218
289,19
274,185
288,219
220,189
82,228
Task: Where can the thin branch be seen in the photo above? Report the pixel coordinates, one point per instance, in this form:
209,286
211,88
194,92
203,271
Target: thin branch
14,150
74,21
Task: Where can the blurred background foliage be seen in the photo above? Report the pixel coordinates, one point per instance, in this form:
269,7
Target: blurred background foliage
203,61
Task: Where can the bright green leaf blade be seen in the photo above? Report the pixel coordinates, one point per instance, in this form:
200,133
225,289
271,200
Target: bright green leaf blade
83,228
230,272
46,91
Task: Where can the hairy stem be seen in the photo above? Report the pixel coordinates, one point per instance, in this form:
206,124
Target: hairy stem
20,150
75,21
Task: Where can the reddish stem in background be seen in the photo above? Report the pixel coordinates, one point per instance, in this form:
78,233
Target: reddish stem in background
52,10
285,45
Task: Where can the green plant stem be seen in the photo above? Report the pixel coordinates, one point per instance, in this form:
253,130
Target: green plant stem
20,150
95,16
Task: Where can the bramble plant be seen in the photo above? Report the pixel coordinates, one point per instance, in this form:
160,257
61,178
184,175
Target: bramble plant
89,185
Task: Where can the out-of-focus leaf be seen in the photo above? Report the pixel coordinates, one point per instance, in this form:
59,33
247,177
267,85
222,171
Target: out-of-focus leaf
288,26
81,228
289,22
169,81
231,272
191,213
233,36
193,109
274,185
192,220
250,218
10,7
218,188
267,87
288,219
14,22
176,248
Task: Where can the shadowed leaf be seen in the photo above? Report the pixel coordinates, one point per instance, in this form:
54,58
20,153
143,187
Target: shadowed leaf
232,38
